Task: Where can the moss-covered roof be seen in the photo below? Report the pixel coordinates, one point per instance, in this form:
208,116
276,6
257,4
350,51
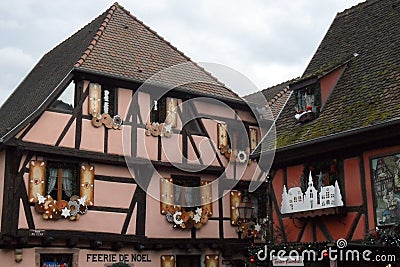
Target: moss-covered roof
368,92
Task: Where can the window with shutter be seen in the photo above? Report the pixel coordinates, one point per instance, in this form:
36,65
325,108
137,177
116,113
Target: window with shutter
158,110
186,201
62,181
60,190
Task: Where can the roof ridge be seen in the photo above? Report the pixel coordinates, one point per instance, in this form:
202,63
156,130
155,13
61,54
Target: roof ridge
97,35
174,47
352,9
278,96
271,87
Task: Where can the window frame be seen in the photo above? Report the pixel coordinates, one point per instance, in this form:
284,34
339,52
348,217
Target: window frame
186,181
312,88
58,188
158,109
74,252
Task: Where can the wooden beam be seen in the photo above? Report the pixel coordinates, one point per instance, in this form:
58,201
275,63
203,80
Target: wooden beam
10,198
76,111
364,192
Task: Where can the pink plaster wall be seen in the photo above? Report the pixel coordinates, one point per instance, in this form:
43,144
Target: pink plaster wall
20,132
7,258
22,222
179,119
210,108
97,221
247,171
48,128
105,194
85,105
111,170
226,204
147,146
171,149
126,140
69,139
211,127
204,147
209,230
132,224
144,103
92,137
116,143
156,224
124,100
229,230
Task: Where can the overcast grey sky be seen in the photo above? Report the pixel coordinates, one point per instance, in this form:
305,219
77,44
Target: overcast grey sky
268,41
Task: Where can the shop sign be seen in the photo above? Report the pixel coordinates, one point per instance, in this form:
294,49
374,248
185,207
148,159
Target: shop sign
114,257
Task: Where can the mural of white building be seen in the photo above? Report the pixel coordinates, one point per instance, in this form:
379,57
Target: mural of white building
294,200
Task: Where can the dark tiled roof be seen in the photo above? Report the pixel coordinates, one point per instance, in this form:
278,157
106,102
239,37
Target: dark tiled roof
269,92
52,68
368,92
125,47
276,97
116,44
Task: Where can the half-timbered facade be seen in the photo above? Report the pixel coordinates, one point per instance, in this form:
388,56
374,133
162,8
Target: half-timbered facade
335,174
111,156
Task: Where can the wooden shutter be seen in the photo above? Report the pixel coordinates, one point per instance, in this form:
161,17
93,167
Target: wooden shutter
37,178
87,183
222,135
212,260
172,105
166,194
206,197
167,261
253,134
94,99
235,200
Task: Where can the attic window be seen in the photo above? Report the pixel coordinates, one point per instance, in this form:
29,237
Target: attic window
65,101
308,102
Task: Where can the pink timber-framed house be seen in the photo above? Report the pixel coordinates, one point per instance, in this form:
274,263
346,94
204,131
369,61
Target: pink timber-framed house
68,197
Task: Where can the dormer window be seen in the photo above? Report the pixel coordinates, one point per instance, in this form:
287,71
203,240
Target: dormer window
308,102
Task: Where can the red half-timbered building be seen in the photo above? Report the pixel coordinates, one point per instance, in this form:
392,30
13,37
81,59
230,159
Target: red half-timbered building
335,176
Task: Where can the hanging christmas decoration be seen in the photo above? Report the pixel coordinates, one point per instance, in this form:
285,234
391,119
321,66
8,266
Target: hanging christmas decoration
187,219
158,129
53,210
